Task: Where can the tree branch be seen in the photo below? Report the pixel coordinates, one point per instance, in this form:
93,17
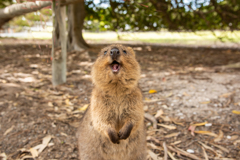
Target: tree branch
19,9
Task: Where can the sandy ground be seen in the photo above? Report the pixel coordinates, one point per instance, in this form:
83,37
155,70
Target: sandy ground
191,94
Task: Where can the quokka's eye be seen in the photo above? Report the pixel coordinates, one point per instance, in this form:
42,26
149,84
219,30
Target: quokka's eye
105,52
124,51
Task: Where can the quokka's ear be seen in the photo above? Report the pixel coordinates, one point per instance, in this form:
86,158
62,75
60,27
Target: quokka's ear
131,51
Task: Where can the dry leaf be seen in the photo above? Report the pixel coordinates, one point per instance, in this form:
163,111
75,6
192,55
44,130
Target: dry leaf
235,112
44,144
50,104
68,103
153,146
237,103
225,95
185,153
199,124
3,156
84,107
165,151
219,137
161,130
171,156
175,122
167,126
205,154
50,144
166,119
145,108
152,91
177,142
234,137
169,95
26,157
192,129
220,147
151,100
151,118
205,102
237,141
185,94
172,135
153,155
207,133
225,159
159,113
147,99
207,147
75,124
46,139
8,130
34,152
64,134
154,139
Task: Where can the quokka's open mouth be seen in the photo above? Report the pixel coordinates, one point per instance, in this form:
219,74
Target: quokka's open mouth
115,66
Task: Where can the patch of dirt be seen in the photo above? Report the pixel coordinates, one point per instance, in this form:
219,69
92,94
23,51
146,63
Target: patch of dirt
192,95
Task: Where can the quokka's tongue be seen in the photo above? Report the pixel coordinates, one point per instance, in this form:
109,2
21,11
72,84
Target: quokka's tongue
115,67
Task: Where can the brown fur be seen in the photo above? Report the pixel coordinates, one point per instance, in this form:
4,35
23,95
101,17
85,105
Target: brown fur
113,126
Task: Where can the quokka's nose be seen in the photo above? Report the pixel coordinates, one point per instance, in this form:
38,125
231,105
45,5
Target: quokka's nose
114,53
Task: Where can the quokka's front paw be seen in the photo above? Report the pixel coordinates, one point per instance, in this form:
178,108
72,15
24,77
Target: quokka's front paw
113,136
124,133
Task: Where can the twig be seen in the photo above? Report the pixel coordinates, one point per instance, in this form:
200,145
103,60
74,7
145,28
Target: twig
151,118
205,154
184,153
220,147
165,151
171,156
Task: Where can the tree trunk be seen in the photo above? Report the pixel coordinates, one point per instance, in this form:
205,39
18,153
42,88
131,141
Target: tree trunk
59,45
76,15
8,13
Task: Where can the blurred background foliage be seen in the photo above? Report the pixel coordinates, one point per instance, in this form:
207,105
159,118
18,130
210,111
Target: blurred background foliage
30,19
174,15
148,15
5,3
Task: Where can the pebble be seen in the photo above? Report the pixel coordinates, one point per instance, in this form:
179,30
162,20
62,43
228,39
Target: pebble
208,124
190,151
148,124
180,114
215,117
145,108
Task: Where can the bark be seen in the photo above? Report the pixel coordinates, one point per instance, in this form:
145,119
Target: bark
76,15
67,2
59,45
7,13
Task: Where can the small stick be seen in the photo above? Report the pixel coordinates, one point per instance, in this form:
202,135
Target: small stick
184,153
151,118
165,151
